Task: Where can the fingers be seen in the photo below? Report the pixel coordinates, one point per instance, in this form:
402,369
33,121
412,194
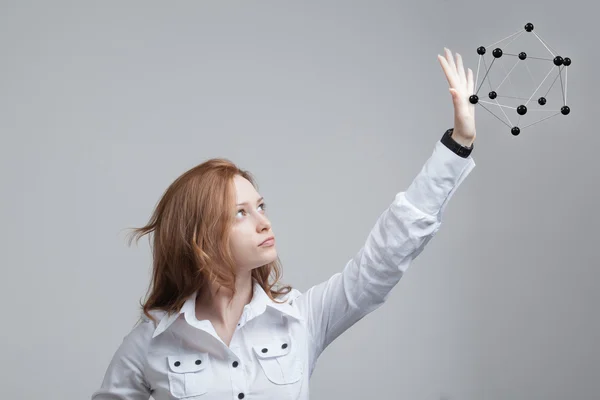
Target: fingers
450,60
455,72
450,75
460,69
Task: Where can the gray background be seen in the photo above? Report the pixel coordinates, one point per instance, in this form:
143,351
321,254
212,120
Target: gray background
335,107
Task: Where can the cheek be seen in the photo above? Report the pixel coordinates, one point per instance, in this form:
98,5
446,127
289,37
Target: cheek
239,242
234,241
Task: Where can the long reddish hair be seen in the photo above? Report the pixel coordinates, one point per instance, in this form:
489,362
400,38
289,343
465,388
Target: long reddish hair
190,238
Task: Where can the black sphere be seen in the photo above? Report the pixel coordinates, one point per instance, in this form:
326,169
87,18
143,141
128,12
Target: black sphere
497,53
493,95
529,27
558,60
542,101
481,50
522,55
515,131
522,110
473,99
566,61
565,110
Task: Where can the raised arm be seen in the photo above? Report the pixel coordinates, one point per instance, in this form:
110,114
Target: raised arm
398,237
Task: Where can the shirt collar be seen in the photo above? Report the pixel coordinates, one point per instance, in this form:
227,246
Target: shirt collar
257,306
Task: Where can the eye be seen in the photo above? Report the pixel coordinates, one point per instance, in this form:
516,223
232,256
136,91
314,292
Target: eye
263,205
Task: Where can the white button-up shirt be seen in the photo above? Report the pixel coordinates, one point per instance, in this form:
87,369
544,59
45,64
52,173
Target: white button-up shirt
275,346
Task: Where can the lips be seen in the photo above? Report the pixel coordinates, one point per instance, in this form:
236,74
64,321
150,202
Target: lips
266,240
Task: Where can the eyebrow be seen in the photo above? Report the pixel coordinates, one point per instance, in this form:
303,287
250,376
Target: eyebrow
257,201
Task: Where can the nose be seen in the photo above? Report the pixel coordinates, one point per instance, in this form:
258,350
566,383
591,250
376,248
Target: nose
263,224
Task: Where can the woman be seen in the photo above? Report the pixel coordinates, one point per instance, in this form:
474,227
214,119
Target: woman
215,327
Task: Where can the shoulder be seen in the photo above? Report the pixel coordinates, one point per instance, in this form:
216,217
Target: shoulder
128,364
138,339
290,297
157,314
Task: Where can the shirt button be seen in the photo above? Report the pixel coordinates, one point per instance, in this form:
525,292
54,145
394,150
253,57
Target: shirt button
198,362
283,346
241,396
264,350
177,363
235,364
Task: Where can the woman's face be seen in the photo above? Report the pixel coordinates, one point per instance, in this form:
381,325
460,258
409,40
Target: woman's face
250,228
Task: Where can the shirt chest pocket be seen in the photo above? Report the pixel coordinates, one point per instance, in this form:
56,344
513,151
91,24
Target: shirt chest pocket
189,374
280,361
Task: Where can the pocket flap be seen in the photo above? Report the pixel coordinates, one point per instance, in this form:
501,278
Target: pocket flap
188,362
272,348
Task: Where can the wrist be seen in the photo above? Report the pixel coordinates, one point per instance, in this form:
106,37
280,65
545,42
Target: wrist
461,140
461,149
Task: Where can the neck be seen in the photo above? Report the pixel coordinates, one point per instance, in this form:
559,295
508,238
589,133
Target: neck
219,305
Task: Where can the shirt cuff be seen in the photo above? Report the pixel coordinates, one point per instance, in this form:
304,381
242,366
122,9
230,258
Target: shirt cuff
437,181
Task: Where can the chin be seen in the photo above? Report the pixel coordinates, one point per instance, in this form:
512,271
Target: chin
270,258
264,260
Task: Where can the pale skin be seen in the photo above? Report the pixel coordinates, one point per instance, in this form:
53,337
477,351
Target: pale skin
461,87
252,226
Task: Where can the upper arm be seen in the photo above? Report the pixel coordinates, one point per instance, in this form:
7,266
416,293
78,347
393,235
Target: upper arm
124,378
333,306
398,237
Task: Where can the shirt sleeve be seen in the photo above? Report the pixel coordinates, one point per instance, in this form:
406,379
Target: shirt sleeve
124,377
398,237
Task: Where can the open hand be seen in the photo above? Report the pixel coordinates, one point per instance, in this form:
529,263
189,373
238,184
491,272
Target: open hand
461,87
